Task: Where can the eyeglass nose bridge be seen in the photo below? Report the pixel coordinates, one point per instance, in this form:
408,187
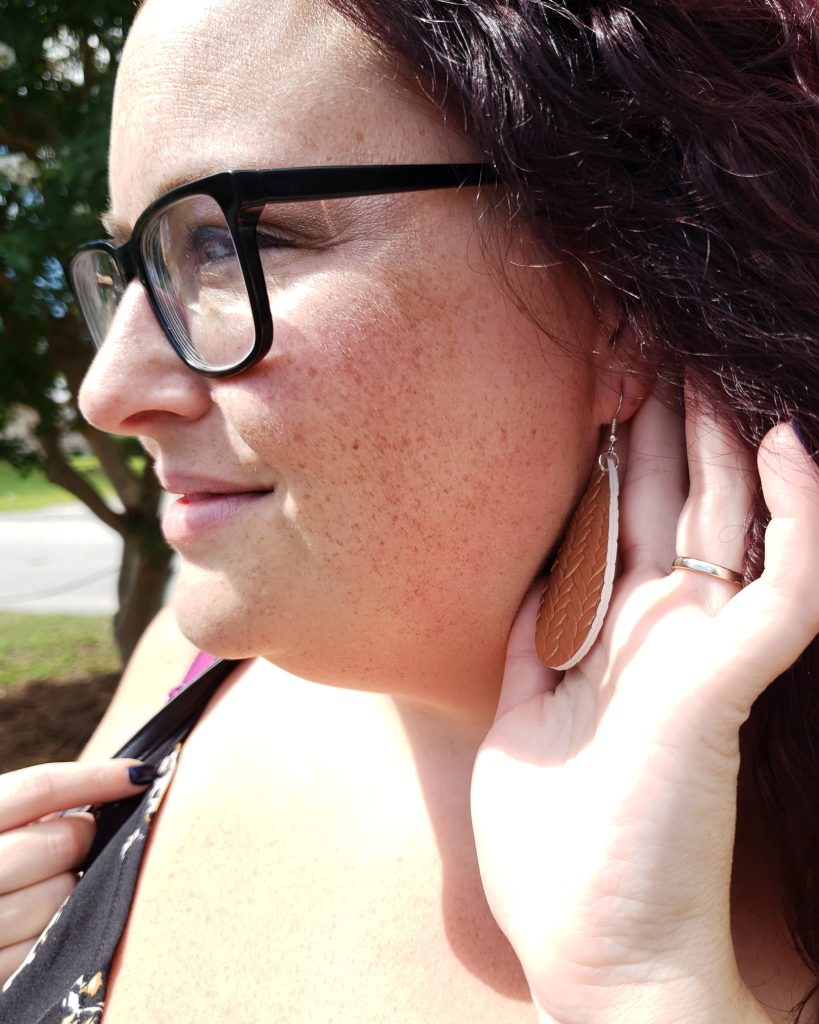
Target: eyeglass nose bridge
126,263
131,267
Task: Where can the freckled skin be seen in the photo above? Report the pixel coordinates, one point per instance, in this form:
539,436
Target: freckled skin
426,442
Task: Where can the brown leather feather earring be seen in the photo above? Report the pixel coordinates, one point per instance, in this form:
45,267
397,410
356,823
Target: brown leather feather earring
578,589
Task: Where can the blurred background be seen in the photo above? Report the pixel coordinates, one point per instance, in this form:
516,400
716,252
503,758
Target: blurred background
83,565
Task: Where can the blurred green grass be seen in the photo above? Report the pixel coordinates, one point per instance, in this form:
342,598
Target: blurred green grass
60,648
20,493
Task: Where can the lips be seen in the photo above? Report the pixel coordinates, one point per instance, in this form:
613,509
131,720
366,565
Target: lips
205,504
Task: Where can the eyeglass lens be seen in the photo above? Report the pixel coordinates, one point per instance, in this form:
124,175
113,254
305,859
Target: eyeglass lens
99,287
195,278
197,282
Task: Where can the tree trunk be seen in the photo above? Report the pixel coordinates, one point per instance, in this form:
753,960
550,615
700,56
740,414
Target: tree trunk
114,463
143,578
58,470
146,557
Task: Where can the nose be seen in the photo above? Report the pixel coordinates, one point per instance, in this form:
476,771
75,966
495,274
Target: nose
137,383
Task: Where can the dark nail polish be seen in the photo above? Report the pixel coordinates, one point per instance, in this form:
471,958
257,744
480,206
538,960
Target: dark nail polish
142,774
803,437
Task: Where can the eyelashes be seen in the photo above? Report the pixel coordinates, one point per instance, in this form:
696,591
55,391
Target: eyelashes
211,244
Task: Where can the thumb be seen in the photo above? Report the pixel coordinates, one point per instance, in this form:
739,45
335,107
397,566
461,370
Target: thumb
525,676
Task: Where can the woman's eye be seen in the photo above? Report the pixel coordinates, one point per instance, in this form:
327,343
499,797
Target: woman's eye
211,244
270,239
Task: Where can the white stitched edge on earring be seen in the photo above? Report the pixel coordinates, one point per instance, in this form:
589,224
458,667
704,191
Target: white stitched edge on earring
608,576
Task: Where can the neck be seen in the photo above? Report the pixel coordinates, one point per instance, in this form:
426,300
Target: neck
455,692
457,729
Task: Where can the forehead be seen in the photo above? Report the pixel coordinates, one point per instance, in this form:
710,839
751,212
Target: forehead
207,85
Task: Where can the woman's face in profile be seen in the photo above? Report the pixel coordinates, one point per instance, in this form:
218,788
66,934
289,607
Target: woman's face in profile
412,441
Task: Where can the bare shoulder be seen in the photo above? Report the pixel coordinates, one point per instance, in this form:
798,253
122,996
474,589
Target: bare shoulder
160,660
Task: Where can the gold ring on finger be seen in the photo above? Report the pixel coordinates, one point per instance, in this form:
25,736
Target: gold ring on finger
719,572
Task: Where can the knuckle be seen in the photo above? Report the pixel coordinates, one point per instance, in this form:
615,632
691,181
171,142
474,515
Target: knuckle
39,785
82,829
61,843
9,843
61,886
27,911
15,908
14,854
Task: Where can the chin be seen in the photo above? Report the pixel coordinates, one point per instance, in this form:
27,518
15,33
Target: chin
209,615
221,620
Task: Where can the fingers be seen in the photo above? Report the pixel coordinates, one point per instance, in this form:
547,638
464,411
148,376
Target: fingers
524,675
713,523
37,857
24,914
790,484
653,489
777,616
39,851
12,956
31,793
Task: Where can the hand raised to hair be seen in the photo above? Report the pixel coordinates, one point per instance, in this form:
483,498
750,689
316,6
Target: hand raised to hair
604,801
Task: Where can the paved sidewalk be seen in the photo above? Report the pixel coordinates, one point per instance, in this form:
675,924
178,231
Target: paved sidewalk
58,559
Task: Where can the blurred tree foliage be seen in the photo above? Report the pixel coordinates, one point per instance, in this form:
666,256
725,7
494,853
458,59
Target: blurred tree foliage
58,61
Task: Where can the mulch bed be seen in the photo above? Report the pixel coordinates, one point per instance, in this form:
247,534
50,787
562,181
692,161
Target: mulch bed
50,721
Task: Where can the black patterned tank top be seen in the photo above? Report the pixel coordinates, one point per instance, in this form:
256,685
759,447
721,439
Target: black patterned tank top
64,978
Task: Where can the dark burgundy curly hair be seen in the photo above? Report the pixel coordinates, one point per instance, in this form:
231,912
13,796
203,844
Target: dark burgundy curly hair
671,149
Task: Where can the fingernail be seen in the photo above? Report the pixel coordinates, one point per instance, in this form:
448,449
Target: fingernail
142,774
803,437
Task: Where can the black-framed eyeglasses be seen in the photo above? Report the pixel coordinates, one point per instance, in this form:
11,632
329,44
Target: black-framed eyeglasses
196,251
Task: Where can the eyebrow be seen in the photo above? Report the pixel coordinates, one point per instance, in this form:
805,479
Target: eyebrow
120,231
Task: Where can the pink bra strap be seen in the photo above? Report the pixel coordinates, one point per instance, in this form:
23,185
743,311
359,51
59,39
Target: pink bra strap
197,666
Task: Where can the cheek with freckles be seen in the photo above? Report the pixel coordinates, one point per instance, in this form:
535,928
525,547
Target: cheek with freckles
410,442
